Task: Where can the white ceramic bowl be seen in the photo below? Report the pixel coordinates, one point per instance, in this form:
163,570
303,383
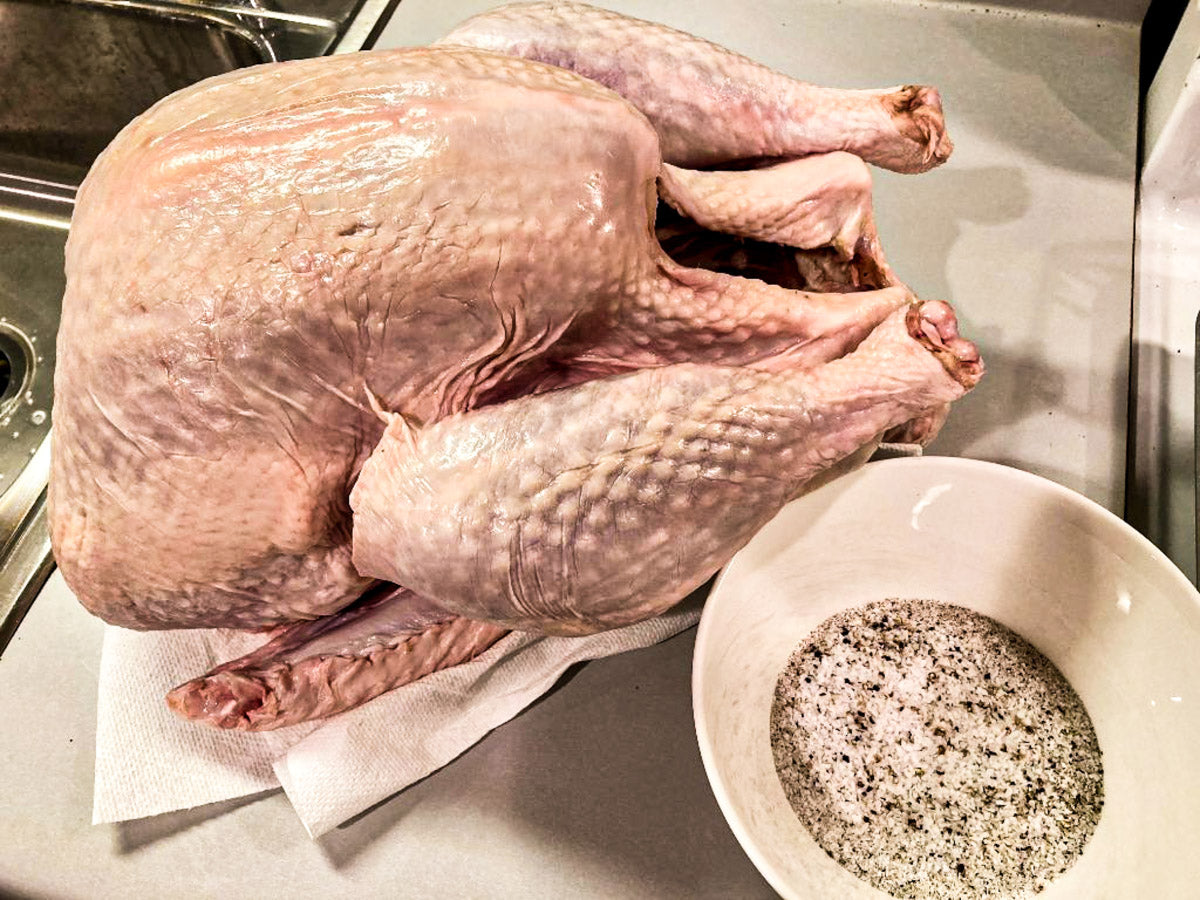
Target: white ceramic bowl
1110,610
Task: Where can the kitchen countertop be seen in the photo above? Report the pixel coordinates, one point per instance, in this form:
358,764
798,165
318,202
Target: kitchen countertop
595,790
598,790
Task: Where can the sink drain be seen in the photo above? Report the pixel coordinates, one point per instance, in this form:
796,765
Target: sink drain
16,366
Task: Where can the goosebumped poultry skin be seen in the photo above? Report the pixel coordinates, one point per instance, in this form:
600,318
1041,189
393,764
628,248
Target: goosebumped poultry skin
544,515
401,315
708,104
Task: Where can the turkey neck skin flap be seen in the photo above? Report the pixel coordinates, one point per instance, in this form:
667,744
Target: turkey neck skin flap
381,351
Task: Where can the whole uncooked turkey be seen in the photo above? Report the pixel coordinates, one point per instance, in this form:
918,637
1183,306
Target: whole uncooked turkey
380,352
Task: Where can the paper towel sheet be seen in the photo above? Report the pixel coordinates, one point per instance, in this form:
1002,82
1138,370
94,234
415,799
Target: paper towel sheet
148,761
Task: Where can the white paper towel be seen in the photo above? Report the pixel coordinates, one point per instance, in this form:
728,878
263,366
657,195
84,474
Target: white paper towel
148,761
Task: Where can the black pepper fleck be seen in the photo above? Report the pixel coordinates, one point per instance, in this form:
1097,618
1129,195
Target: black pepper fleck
989,822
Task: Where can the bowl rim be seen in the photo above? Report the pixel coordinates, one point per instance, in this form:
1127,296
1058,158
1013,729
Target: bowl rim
965,468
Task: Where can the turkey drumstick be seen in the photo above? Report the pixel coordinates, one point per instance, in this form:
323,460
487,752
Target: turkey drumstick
708,104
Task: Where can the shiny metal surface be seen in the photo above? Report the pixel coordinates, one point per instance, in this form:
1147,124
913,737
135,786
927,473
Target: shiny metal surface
28,562
219,18
33,216
364,29
31,284
35,201
80,70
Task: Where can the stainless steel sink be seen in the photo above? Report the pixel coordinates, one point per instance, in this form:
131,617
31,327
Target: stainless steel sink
79,71
34,214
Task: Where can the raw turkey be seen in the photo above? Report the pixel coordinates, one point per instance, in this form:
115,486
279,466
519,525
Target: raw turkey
380,353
